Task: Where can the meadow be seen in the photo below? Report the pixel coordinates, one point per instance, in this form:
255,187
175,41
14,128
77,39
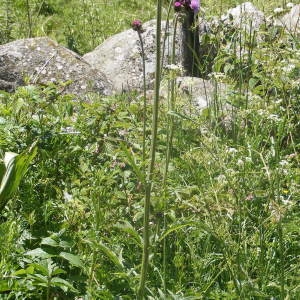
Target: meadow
223,190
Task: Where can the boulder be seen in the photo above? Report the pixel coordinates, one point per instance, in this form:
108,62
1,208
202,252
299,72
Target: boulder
120,58
199,92
41,60
291,20
244,16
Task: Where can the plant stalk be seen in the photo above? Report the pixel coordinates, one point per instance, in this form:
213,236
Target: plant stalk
144,103
146,233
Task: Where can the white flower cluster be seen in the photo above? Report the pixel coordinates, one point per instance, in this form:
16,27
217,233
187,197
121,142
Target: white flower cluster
174,70
173,67
278,10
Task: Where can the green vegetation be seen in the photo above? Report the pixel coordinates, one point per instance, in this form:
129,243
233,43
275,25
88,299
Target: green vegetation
224,211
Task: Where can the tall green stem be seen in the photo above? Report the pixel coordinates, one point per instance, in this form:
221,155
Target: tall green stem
171,107
145,258
29,19
144,95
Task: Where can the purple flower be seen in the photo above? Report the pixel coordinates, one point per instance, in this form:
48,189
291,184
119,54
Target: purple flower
137,25
195,6
177,5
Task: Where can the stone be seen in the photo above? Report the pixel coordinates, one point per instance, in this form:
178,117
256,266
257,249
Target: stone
244,16
200,92
291,20
119,57
41,60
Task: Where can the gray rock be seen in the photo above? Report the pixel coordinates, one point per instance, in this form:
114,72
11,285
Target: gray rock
119,57
199,92
244,16
42,60
291,20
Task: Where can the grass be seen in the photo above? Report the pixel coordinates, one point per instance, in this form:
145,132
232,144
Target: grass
224,206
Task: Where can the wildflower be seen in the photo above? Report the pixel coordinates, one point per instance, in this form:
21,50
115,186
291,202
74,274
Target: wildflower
231,151
195,6
173,67
278,10
173,70
240,162
137,25
283,163
68,197
248,159
250,197
221,179
288,68
177,5
273,117
290,5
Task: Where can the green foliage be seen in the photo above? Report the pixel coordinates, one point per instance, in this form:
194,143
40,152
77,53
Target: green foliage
12,170
224,221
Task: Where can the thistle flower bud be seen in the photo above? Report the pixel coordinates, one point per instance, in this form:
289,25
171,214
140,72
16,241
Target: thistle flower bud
137,25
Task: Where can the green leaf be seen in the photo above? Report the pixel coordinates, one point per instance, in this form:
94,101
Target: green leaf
177,227
65,244
179,115
38,252
71,258
58,271
132,162
63,284
128,228
49,242
16,166
29,270
4,286
2,170
40,278
253,82
110,255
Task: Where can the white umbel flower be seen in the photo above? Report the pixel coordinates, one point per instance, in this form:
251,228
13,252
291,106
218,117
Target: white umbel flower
278,10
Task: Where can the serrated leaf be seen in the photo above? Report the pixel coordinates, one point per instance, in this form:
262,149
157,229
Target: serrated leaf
71,258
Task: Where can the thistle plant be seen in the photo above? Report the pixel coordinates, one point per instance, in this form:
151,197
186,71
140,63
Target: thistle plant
149,177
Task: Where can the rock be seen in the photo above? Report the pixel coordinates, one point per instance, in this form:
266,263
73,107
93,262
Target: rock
42,60
119,57
200,92
291,20
244,16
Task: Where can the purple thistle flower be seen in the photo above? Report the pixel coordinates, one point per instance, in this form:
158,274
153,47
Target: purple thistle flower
195,6
177,5
137,25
